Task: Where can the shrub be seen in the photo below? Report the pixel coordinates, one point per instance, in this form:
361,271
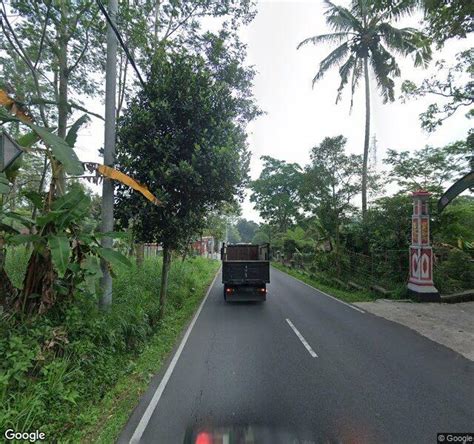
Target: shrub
56,365
455,273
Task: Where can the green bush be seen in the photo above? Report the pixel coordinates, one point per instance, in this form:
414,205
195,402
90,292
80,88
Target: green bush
53,367
455,273
331,262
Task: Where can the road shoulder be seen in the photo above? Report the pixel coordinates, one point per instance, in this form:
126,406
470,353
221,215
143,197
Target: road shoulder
448,324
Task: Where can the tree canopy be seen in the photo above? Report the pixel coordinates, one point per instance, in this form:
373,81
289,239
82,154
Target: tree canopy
455,91
429,168
331,181
276,192
365,36
194,154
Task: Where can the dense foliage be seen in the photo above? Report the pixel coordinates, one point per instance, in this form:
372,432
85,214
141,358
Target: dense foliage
194,156
366,37
452,86
328,236
59,355
184,136
276,192
55,367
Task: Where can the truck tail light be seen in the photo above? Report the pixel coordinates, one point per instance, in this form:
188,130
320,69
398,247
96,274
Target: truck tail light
262,290
229,290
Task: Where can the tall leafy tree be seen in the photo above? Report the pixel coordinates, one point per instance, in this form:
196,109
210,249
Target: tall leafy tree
450,86
184,136
263,234
448,19
430,168
276,192
174,24
366,38
330,182
443,19
51,58
247,229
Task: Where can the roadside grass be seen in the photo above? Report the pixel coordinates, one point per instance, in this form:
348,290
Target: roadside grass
318,284
77,373
111,414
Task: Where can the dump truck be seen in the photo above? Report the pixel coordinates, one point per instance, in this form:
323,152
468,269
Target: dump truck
245,271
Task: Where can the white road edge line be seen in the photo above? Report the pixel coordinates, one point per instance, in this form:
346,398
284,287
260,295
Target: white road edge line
137,435
325,294
303,340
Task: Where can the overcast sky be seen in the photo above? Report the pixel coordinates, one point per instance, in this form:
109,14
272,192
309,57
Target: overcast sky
299,117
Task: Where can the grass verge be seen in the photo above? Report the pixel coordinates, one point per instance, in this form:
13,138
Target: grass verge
77,373
113,411
343,295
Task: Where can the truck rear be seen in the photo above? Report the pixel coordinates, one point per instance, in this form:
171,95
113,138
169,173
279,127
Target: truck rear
245,271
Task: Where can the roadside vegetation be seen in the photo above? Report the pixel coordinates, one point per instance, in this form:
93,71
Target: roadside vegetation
78,371
309,211
314,228
324,283
75,367
74,360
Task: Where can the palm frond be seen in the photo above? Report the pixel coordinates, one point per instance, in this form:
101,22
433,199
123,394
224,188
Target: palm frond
366,33
384,66
334,58
396,39
341,19
422,52
399,10
361,9
335,37
406,41
356,75
344,72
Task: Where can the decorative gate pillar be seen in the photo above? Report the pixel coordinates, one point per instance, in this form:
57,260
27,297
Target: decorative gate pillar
420,283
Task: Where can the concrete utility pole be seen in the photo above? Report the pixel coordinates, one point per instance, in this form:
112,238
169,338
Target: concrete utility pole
109,153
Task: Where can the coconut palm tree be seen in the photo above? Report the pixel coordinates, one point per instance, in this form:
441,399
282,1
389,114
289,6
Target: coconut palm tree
365,37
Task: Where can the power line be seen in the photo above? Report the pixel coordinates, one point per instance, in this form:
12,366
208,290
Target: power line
119,38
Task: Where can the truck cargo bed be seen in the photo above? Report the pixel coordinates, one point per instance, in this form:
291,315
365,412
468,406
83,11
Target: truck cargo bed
245,272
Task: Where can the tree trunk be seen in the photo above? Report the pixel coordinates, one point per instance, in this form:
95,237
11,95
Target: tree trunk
156,24
38,295
366,140
140,252
164,279
7,291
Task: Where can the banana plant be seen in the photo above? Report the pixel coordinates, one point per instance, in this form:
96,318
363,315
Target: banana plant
65,255
4,184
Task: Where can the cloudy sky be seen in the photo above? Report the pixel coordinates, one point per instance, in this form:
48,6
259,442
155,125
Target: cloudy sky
299,117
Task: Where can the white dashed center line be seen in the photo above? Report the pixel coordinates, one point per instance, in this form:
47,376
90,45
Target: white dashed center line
303,340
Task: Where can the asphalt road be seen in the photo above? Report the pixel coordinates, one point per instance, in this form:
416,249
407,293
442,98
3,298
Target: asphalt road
303,367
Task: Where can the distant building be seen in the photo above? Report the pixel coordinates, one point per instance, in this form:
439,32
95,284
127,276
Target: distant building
204,246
